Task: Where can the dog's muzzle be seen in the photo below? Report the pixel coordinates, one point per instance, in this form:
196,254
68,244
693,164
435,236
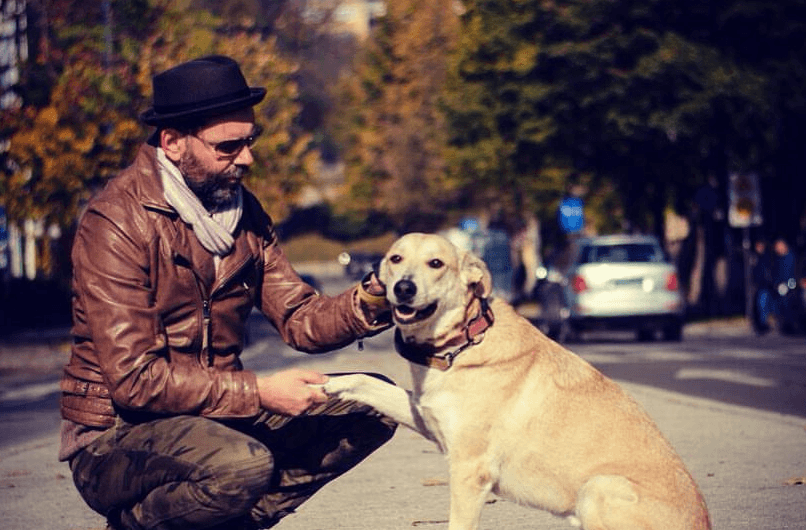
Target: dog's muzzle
405,291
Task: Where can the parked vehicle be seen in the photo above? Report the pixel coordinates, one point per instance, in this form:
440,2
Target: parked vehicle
612,282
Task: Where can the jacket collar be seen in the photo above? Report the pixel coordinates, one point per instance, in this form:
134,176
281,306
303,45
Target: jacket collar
151,194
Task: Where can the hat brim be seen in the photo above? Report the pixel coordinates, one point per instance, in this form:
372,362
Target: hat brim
152,117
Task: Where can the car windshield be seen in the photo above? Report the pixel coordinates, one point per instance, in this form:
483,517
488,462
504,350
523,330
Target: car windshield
625,253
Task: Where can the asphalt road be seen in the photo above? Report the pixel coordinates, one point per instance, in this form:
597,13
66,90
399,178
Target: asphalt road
734,366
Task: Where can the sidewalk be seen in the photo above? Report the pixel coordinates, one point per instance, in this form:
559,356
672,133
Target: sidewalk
749,464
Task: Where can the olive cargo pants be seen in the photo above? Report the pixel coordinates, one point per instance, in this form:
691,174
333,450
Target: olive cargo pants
189,472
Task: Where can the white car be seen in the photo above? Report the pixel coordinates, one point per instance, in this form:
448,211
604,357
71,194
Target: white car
617,282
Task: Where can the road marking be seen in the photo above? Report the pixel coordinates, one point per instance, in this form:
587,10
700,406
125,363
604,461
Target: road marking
729,376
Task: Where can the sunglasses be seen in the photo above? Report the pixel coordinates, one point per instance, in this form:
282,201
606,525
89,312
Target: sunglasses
232,148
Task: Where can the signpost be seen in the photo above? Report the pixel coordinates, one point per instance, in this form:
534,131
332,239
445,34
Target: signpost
744,197
744,211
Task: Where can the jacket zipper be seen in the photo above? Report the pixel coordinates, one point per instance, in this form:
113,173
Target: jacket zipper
205,353
206,331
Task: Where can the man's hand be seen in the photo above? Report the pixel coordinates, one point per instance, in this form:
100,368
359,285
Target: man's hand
373,303
289,392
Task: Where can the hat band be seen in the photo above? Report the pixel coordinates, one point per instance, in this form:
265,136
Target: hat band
204,104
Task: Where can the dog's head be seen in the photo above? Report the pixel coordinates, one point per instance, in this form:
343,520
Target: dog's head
430,284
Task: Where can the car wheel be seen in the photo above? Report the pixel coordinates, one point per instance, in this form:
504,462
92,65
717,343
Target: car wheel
561,332
645,335
554,325
673,332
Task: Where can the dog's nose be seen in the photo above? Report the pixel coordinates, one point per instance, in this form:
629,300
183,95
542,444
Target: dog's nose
405,290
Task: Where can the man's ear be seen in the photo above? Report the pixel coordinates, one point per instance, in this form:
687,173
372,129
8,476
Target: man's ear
476,275
174,143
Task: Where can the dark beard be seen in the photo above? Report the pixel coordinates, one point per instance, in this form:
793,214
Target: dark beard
214,190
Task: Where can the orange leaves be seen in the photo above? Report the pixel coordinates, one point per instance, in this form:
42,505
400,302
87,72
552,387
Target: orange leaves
87,129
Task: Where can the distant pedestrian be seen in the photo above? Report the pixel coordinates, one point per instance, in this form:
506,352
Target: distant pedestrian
763,296
783,278
784,266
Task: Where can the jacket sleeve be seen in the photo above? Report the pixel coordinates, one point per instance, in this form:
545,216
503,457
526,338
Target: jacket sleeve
307,320
115,287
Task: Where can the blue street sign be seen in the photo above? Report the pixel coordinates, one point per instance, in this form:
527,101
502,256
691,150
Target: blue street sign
572,215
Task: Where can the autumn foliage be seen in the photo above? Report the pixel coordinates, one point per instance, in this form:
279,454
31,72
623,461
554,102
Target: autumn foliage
86,88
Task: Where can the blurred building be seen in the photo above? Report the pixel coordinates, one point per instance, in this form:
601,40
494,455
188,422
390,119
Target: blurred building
17,255
13,49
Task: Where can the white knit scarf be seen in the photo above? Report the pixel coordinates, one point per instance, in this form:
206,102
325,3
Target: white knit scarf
213,229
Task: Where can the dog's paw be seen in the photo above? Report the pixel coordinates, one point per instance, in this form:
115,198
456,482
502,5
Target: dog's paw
343,386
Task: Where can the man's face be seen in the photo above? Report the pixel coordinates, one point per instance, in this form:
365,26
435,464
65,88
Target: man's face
217,157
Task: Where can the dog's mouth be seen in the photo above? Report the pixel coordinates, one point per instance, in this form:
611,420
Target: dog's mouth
405,314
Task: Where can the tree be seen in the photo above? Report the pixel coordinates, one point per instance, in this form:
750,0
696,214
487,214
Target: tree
89,79
389,123
79,123
602,89
770,37
75,124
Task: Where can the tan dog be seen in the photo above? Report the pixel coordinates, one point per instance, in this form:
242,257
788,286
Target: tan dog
516,413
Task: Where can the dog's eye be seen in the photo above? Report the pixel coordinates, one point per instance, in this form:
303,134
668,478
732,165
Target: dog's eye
436,264
395,258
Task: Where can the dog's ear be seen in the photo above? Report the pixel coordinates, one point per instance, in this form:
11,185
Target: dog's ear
476,275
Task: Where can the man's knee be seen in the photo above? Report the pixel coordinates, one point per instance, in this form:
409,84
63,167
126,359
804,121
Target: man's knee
195,471
237,481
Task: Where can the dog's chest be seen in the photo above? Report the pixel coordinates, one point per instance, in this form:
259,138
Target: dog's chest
439,407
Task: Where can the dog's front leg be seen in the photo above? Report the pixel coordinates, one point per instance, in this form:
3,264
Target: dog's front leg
470,484
386,398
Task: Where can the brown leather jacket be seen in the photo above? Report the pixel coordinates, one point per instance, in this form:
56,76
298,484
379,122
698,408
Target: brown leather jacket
156,331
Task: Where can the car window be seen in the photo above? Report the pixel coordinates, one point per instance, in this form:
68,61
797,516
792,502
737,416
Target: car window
625,253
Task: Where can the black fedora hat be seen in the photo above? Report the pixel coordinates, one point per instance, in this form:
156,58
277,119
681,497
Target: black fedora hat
198,90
